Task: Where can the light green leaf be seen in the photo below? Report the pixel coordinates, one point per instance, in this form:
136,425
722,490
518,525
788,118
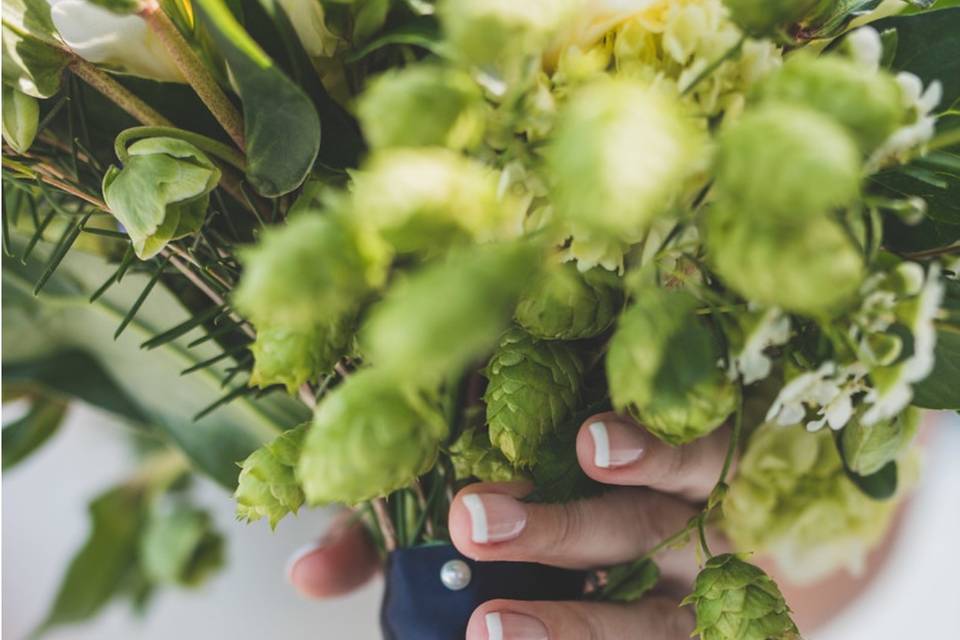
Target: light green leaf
941,389
180,547
26,435
281,126
21,115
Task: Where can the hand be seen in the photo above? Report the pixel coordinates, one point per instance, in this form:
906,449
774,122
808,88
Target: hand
657,486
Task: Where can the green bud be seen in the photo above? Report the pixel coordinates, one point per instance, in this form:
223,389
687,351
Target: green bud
792,499
442,317
161,193
770,17
422,106
568,305
422,200
620,155
473,456
314,269
867,102
780,161
867,449
533,388
809,267
180,547
662,368
735,600
291,356
267,487
21,115
369,437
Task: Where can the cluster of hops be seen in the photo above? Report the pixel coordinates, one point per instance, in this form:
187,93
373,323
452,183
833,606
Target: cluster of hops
267,487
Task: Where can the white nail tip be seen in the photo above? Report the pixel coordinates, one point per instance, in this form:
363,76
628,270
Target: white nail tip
494,626
601,445
480,532
299,554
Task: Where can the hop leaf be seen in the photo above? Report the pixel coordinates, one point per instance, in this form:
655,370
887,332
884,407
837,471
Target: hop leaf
867,449
770,17
161,193
180,547
473,456
662,368
735,600
292,357
369,437
21,116
267,487
534,386
422,106
312,271
867,102
569,305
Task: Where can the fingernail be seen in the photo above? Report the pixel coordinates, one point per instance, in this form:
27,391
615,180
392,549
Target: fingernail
616,445
514,626
494,517
311,547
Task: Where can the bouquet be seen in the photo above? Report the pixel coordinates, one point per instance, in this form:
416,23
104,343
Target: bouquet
365,252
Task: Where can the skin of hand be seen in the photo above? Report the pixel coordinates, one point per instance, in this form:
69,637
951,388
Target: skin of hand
657,489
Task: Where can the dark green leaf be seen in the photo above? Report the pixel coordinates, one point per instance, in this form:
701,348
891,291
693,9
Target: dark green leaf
24,436
629,582
421,32
880,485
941,389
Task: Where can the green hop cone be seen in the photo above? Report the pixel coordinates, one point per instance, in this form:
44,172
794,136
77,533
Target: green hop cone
735,600
311,271
422,106
771,17
473,456
809,267
621,154
292,357
867,103
370,436
180,546
662,368
867,449
267,487
533,388
449,313
786,162
792,499
161,193
21,116
568,305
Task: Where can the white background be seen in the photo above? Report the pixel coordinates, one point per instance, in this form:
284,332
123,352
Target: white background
44,521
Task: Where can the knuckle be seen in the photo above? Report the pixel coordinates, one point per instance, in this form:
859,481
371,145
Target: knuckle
569,526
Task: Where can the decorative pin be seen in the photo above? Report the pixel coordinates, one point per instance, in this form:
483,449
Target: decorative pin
455,575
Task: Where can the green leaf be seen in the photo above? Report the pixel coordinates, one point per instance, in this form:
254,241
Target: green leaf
180,547
24,436
629,582
422,31
32,58
21,115
941,389
281,126
881,485
98,570
930,178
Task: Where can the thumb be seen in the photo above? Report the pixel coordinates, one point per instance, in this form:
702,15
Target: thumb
343,560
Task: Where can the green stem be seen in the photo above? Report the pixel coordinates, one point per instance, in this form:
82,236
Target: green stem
944,140
734,441
701,529
195,71
117,93
713,66
211,146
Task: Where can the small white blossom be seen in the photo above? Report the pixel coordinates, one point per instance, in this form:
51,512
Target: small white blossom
751,362
922,103
865,47
828,392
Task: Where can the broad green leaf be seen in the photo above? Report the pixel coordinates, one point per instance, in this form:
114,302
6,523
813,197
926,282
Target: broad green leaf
31,65
24,436
423,32
281,126
880,485
180,547
941,389
98,570
933,178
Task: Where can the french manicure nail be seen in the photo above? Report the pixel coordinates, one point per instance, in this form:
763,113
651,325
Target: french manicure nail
494,517
514,626
616,445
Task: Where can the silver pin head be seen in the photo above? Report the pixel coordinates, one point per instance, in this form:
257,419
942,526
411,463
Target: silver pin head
455,575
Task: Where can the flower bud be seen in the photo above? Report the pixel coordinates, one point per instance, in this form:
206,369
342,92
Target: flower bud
533,388
662,368
21,116
780,161
734,599
620,155
161,193
292,357
473,456
180,547
568,305
370,436
314,269
422,106
267,487
867,449
868,103
769,17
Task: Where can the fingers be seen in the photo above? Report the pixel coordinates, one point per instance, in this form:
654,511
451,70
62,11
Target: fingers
615,450
342,561
654,618
488,522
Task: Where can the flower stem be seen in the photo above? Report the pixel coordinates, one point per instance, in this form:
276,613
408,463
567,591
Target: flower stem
117,93
195,71
734,441
211,146
944,140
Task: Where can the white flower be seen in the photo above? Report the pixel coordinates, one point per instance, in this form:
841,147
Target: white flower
828,392
908,137
865,47
770,329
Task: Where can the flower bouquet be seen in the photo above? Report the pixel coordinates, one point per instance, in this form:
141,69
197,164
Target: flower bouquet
375,250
